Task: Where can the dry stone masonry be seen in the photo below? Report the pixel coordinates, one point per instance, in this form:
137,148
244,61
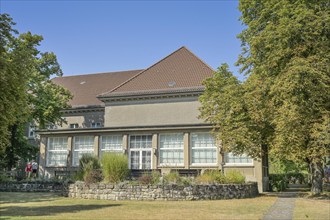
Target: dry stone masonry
126,191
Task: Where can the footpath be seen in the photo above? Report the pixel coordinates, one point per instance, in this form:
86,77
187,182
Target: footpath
284,205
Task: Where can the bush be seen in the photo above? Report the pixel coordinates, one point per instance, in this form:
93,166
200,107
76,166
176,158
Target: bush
115,167
152,178
172,177
93,176
234,176
87,164
211,176
278,182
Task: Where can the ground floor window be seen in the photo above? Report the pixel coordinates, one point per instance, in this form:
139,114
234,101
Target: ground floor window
111,143
171,149
82,145
140,151
203,149
231,158
57,151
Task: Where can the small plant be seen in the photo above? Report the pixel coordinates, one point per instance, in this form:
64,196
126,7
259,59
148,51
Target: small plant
234,176
114,167
145,179
93,176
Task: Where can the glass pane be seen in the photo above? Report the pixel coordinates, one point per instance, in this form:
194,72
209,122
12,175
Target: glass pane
135,159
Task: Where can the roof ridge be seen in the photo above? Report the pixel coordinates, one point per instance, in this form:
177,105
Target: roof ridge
202,61
130,79
88,74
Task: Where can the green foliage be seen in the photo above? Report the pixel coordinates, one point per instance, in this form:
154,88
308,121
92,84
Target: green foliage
88,168
278,182
234,176
172,177
114,167
26,91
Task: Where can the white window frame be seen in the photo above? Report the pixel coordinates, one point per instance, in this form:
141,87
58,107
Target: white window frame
81,151
192,148
110,148
140,150
181,148
63,150
237,163
73,125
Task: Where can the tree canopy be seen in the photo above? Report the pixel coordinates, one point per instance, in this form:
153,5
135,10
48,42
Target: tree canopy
26,91
285,102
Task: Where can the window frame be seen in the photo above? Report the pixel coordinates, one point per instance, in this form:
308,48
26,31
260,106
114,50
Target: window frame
101,151
191,148
140,150
169,149
64,150
74,150
235,163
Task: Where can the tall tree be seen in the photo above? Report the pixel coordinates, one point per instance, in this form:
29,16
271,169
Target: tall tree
286,98
26,92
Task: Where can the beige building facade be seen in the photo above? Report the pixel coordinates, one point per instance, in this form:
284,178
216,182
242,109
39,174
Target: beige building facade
151,117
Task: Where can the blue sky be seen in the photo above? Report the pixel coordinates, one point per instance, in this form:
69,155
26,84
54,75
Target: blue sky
105,36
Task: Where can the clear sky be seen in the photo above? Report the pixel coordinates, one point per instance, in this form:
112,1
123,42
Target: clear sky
105,36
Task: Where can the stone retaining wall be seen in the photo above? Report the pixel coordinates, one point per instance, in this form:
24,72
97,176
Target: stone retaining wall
33,186
125,191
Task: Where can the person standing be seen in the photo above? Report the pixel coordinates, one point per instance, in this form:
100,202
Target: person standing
34,169
28,169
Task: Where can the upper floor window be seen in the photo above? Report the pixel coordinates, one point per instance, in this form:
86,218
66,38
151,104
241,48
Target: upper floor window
57,151
75,125
231,158
171,149
96,124
203,149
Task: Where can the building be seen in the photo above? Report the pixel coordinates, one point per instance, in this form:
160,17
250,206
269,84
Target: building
151,115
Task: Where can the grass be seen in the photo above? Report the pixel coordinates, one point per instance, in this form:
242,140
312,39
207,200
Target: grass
311,209
49,206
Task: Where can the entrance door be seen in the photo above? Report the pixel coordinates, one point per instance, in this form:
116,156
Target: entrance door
140,152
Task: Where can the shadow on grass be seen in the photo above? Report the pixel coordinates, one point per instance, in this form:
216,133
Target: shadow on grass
15,197
18,211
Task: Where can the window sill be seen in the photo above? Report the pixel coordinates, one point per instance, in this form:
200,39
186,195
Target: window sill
238,165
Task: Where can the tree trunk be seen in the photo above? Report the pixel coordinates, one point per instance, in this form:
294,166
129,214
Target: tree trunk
316,177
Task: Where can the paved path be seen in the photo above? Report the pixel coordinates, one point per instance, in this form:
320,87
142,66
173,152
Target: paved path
284,205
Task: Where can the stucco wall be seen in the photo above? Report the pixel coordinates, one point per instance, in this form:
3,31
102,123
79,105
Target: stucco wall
149,114
83,119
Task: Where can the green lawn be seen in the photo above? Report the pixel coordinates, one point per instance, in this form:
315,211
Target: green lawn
50,206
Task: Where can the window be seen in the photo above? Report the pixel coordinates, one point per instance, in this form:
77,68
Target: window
57,151
171,149
203,149
111,143
230,158
74,125
140,151
96,124
32,131
82,145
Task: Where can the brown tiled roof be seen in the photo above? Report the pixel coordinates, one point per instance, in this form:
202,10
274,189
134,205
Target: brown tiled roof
85,88
180,70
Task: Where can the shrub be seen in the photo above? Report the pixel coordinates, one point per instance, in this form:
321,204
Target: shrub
234,176
172,177
152,178
145,179
93,176
278,182
114,167
87,163
211,176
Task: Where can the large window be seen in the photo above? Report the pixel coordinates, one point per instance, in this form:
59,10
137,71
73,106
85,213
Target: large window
140,151
171,149
82,145
230,158
111,143
57,151
203,149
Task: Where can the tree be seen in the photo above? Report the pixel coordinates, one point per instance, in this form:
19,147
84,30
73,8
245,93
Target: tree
26,92
286,97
